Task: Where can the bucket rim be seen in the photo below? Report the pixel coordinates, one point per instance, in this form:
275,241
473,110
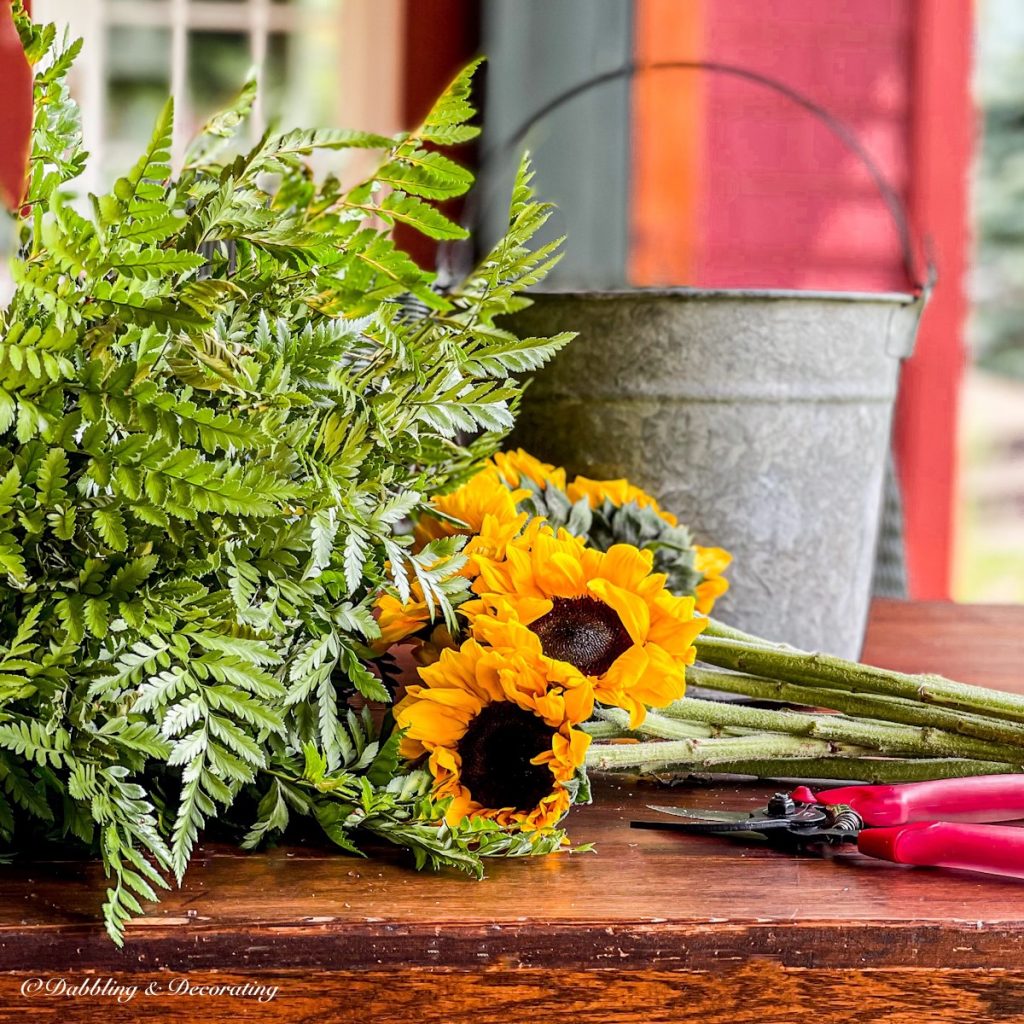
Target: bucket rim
749,294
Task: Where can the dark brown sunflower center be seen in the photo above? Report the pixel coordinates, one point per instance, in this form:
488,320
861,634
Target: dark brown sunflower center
496,752
583,631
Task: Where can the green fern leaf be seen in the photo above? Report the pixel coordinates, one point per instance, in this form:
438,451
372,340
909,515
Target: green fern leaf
152,166
35,741
446,124
302,142
154,263
109,523
421,216
52,477
223,125
96,613
509,355
9,487
427,174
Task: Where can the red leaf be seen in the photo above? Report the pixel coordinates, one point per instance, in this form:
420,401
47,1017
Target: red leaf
15,111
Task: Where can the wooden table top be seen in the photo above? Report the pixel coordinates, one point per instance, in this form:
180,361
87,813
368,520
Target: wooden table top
643,897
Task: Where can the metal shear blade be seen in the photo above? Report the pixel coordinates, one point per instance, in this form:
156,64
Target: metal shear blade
701,821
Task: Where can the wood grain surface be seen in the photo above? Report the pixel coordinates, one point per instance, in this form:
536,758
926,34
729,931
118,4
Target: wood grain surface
653,927
981,644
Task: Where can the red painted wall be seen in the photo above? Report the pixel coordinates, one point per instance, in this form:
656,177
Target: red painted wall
777,201
787,204
15,110
440,37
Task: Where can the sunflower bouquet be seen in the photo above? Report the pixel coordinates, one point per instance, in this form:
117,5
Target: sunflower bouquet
586,610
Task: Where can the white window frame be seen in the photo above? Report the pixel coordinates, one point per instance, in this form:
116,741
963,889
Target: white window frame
369,32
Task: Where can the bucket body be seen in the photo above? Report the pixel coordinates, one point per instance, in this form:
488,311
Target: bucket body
761,418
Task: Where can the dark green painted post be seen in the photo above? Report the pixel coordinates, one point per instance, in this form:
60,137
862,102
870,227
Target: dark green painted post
536,49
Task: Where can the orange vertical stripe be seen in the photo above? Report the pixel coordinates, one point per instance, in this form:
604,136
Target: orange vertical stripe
667,151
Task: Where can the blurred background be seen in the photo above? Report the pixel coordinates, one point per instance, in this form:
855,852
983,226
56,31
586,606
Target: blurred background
694,177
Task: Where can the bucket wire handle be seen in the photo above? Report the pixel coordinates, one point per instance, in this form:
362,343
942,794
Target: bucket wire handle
921,280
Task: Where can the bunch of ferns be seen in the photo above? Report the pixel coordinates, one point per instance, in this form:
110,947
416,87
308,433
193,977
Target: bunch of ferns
218,406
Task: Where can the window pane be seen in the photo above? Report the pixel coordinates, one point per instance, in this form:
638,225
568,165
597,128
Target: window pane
301,76
276,73
138,76
218,63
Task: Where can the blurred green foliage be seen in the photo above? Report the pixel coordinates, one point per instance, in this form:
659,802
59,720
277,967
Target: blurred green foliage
998,283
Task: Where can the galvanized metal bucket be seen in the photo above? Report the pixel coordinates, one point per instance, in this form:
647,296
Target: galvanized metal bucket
762,418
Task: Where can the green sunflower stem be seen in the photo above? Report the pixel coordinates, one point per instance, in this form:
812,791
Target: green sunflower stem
874,706
849,769
699,754
721,630
728,648
883,737
613,723
600,730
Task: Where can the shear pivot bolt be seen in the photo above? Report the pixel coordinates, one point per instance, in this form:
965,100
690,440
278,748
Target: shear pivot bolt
781,806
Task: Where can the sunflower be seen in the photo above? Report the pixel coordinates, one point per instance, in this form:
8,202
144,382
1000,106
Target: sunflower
486,512
498,729
710,563
603,612
618,492
513,466
398,620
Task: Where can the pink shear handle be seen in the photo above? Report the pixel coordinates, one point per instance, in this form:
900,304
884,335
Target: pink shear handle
980,798
993,849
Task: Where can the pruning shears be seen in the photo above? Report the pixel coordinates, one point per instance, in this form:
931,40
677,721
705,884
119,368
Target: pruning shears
928,824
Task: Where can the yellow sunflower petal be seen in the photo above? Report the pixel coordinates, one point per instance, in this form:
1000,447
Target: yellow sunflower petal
676,632
493,578
480,506
624,675
529,609
443,758
626,565
711,561
570,752
664,681
397,620
618,492
548,813
429,725
506,631
513,466
564,574
579,703
459,809
633,612
708,592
